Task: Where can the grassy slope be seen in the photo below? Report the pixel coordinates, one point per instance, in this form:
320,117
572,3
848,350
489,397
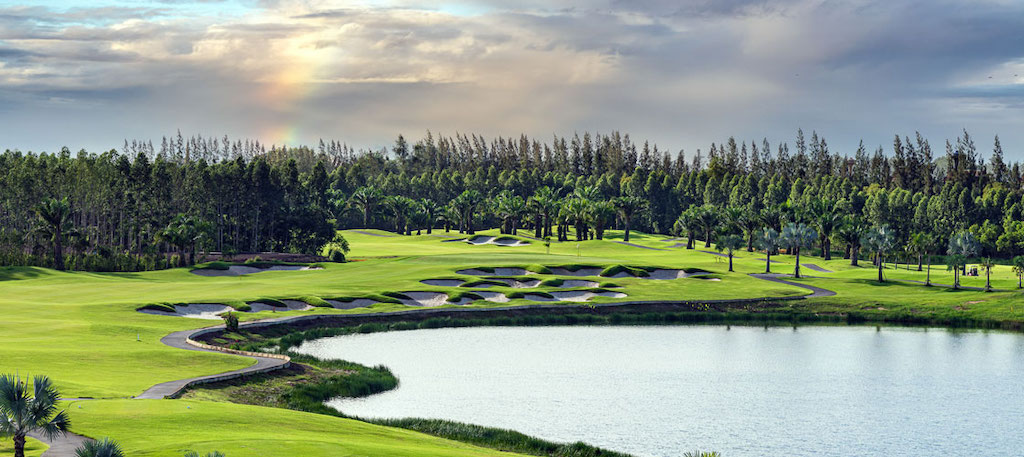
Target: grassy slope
169,427
33,448
80,328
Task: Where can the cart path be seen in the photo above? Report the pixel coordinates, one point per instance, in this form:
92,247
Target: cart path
64,446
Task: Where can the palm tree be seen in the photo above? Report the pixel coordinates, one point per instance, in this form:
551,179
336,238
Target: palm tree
689,220
508,208
1018,269
601,213
770,241
797,237
850,232
105,447
961,246
545,200
367,199
988,264
431,211
879,240
401,207
451,216
729,244
467,202
750,223
55,225
826,217
918,246
23,411
629,207
577,210
708,219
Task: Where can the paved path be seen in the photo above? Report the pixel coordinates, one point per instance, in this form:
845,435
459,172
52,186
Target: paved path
811,266
627,243
769,261
775,277
65,446
364,232
172,389
720,254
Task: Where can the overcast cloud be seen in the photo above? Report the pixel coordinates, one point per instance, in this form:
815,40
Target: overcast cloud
681,73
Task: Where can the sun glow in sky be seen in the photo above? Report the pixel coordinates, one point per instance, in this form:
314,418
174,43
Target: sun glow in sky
680,73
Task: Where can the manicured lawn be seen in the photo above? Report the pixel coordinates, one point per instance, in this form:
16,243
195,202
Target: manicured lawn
83,331
33,448
167,428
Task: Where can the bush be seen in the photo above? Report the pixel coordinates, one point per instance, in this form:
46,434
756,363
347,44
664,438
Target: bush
336,255
231,322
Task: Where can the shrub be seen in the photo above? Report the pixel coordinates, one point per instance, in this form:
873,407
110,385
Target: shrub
231,322
336,255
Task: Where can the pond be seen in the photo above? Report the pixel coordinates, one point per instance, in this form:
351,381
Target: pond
742,391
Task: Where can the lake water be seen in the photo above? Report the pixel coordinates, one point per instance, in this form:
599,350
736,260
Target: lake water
743,391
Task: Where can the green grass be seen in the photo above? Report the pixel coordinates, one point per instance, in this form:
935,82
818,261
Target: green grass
166,428
82,329
33,448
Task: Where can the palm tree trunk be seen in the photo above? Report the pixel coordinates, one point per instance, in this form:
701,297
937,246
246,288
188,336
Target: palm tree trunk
730,260
988,279
750,241
928,276
19,445
796,270
827,246
854,254
689,239
58,249
707,238
880,266
626,222
768,261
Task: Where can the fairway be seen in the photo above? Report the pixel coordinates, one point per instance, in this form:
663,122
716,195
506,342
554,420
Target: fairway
83,330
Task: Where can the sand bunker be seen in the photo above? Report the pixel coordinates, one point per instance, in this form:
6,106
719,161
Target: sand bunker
443,282
572,283
480,239
493,297
500,271
239,270
290,305
518,283
581,272
196,311
572,296
357,303
425,299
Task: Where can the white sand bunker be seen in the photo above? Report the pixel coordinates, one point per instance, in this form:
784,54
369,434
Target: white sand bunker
480,239
196,311
500,271
573,295
707,278
519,283
290,305
572,283
493,296
426,299
239,270
356,303
443,282
581,272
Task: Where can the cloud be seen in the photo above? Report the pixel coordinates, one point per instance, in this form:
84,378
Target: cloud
681,73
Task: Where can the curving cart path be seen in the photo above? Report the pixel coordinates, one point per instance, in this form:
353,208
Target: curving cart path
65,446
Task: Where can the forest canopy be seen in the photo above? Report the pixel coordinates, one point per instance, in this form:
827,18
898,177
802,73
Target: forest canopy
147,207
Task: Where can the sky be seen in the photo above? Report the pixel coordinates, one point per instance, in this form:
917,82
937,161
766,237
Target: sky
682,73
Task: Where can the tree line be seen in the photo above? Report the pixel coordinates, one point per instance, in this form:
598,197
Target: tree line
147,207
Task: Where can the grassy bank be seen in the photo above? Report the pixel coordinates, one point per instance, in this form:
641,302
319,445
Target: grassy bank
310,382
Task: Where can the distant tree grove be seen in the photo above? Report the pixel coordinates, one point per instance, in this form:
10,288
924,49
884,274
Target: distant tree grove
146,207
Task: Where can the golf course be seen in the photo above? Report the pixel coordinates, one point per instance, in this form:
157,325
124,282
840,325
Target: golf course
86,332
